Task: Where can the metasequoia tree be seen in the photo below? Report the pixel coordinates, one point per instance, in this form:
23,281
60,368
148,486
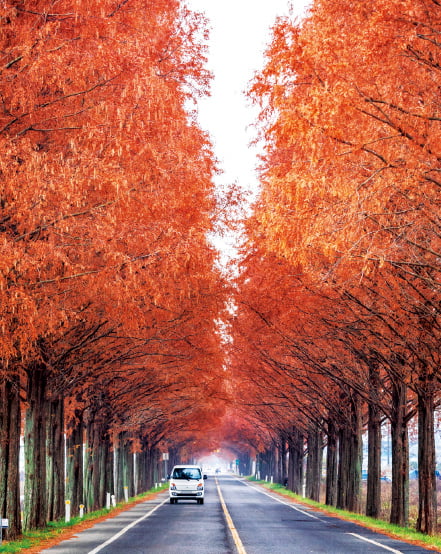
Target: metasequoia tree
106,202
350,120
285,355
351,342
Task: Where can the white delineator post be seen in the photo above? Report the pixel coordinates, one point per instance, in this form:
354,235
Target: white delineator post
67,511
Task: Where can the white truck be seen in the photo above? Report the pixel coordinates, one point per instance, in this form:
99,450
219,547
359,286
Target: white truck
187,483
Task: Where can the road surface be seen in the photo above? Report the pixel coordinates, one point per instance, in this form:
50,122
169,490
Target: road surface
237,517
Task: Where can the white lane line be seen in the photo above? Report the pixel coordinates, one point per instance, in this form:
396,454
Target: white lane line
315,517
376,543
125,529
232,528
282,501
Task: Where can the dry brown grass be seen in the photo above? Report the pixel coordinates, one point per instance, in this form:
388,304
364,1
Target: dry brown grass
386,494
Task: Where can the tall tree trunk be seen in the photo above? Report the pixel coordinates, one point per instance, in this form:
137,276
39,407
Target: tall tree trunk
99,464
350,459
400,457
131,470
266,463
150,469
426,522
283,460
35,508
98,474
314,464
331,465
89,467
10,421
141,474
373,497
248,465
275,473
295,462
343,465
124,465
109,466
55,460
119,468
74,463
356,457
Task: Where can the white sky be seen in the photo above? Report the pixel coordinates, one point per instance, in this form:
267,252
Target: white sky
240,33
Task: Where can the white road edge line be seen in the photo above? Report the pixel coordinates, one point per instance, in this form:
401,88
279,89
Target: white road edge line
315,517
282,501
125,529
232,528
376,543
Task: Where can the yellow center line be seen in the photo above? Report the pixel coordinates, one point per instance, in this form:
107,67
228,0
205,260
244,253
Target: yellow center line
234,533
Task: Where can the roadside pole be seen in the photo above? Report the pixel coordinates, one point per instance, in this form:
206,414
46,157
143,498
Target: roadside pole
165,458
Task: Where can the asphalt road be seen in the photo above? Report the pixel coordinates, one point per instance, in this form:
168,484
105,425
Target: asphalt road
254,522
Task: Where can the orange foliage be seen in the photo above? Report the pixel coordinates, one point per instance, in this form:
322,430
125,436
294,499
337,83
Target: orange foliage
341,274
107,202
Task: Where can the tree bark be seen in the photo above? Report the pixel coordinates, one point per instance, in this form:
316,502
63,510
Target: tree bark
130,479
55,460
331,465
119,469
400,457
109,466
314,464
74,462
124,467
10,421
142,462
89,465
283,461
35,508
355,457
295,462
350,459
99,464
343,465
426,522
373,497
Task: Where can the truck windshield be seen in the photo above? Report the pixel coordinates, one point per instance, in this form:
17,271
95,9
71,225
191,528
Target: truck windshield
186,473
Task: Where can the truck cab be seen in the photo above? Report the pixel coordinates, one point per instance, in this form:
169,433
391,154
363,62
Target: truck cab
187,483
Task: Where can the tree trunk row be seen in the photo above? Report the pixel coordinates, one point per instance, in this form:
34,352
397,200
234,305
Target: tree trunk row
94,462
344,460
10,420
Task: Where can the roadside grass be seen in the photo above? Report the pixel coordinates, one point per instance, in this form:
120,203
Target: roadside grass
32,539
403,533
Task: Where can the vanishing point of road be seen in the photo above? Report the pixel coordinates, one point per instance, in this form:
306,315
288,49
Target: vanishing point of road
237,517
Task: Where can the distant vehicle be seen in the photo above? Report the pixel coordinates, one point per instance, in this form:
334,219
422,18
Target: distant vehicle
218,471
186,483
